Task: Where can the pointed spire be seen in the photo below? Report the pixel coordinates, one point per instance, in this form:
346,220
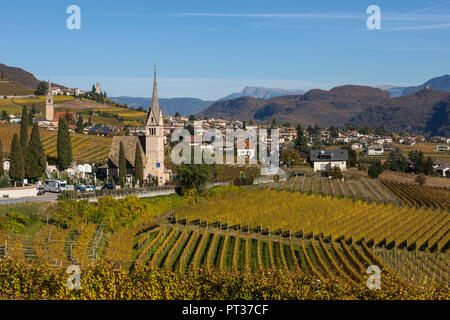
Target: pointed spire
154,108
50,92
49,85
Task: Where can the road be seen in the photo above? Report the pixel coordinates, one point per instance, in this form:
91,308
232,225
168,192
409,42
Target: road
46,197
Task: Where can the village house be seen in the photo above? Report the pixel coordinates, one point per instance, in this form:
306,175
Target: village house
442,148
375,150
327,159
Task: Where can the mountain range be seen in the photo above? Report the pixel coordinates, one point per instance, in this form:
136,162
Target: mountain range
422,109
424,112
441,83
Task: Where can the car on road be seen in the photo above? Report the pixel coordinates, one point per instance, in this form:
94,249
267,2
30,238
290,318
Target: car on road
40,190
108,186
90,187
80,188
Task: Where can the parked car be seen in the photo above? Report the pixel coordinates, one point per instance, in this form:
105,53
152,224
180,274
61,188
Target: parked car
108,186
80,188
40,190
90,187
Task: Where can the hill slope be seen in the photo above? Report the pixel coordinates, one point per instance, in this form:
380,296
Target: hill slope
425,112
325,108
13,88
184,106
21,76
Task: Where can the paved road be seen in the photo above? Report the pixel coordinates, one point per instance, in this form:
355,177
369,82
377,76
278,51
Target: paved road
46,197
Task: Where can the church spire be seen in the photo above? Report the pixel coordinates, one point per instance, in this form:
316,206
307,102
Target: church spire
154,108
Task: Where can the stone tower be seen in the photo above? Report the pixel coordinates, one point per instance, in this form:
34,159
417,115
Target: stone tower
154,140
49,108
97,88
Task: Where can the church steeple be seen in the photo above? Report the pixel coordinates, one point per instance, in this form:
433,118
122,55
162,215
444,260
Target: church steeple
50,92
154,114
49,108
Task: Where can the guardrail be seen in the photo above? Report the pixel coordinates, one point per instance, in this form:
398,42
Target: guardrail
118,193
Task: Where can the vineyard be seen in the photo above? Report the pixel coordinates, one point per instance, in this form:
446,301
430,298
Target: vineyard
281,212
364,189
189,249
372,190
256,232
416,196
85,148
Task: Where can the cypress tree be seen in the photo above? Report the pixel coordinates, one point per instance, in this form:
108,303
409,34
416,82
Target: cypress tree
301,144
64,144
33,109
80,126
16,170
2,170
24,129
35,160
122,165
30,118
138,166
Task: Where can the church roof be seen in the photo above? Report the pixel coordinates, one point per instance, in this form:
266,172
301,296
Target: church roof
129,145
154,110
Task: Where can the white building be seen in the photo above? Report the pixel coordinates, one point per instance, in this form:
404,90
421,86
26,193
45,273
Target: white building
376,150
327,159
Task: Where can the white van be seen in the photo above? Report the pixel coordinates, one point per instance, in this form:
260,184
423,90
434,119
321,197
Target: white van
55,185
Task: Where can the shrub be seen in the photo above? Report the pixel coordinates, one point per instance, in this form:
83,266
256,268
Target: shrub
420,179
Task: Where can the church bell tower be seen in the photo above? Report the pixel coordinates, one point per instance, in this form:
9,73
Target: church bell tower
49,108
154,139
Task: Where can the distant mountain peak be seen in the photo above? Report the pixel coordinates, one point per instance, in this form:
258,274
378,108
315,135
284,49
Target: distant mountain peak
263,93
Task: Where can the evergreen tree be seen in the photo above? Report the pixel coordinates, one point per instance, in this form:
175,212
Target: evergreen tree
138,165
24,130
2,170
30,118
42,89
273,125
90,122
334,132
17,168
122,165
64,144
35,160
301,143
33,109
428,167
375,170
80,126
317,145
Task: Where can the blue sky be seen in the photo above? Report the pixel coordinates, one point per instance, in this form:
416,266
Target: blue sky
210,48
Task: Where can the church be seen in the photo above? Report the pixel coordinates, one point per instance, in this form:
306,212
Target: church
49,107
151,144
